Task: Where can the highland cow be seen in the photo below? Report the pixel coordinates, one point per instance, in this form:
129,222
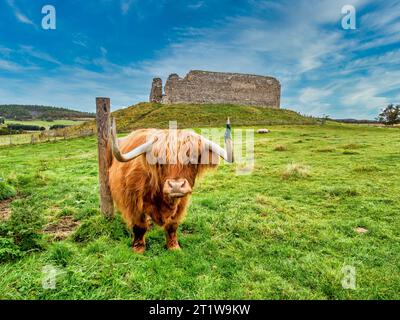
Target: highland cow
152,174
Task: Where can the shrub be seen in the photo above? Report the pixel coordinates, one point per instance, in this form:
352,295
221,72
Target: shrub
6,191
22,231
296,171
8,250
58,126
25,127
25,225
4,131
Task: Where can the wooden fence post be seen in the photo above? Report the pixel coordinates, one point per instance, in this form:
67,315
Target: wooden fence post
103,130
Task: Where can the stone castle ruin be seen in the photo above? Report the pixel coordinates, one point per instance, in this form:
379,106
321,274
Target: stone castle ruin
218,87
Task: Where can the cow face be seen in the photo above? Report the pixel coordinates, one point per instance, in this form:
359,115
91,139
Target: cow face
177,180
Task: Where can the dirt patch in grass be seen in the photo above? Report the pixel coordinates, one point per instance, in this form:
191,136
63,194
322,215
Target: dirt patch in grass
361,230
5,209
62,228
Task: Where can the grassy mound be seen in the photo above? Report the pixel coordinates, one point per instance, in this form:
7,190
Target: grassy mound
152,115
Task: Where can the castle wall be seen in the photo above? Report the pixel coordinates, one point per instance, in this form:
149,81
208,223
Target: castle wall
156,92
218,87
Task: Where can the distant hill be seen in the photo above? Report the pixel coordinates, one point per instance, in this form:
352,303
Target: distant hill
33,112
153,115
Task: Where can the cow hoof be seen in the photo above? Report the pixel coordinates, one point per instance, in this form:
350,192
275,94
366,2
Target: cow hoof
174,247
139,248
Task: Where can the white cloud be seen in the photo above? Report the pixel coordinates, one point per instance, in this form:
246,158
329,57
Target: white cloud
38,54
378,20
23,18
313,100
260,45
11,66
80,43
369,63
80,39
103,51
18,14
126,5
370,91
5,51
313,95
196,5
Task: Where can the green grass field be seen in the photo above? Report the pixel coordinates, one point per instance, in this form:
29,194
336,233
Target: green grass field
46,124
26,137
285,231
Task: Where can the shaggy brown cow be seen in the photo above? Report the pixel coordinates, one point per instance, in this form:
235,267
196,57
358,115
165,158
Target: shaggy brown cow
152,174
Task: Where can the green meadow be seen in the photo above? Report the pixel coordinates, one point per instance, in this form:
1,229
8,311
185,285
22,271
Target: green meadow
26,137
46,124
320,199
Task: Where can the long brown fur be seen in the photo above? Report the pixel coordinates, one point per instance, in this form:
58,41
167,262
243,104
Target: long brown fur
137,185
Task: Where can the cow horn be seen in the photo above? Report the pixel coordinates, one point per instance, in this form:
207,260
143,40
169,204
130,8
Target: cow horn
125,157
227,153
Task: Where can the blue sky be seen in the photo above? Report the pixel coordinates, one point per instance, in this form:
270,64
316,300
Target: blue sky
115,47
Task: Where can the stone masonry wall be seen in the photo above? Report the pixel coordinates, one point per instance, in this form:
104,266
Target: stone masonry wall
156,92
218,87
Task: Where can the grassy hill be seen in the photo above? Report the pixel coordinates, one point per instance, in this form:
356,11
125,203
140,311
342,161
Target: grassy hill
33,112
152,115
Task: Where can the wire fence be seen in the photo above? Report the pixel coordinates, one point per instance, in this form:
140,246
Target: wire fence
43,136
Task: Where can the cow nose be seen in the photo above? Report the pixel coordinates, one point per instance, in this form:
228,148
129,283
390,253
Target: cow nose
177,187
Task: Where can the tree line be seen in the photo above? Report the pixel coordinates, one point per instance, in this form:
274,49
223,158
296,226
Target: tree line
21,128
37,112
